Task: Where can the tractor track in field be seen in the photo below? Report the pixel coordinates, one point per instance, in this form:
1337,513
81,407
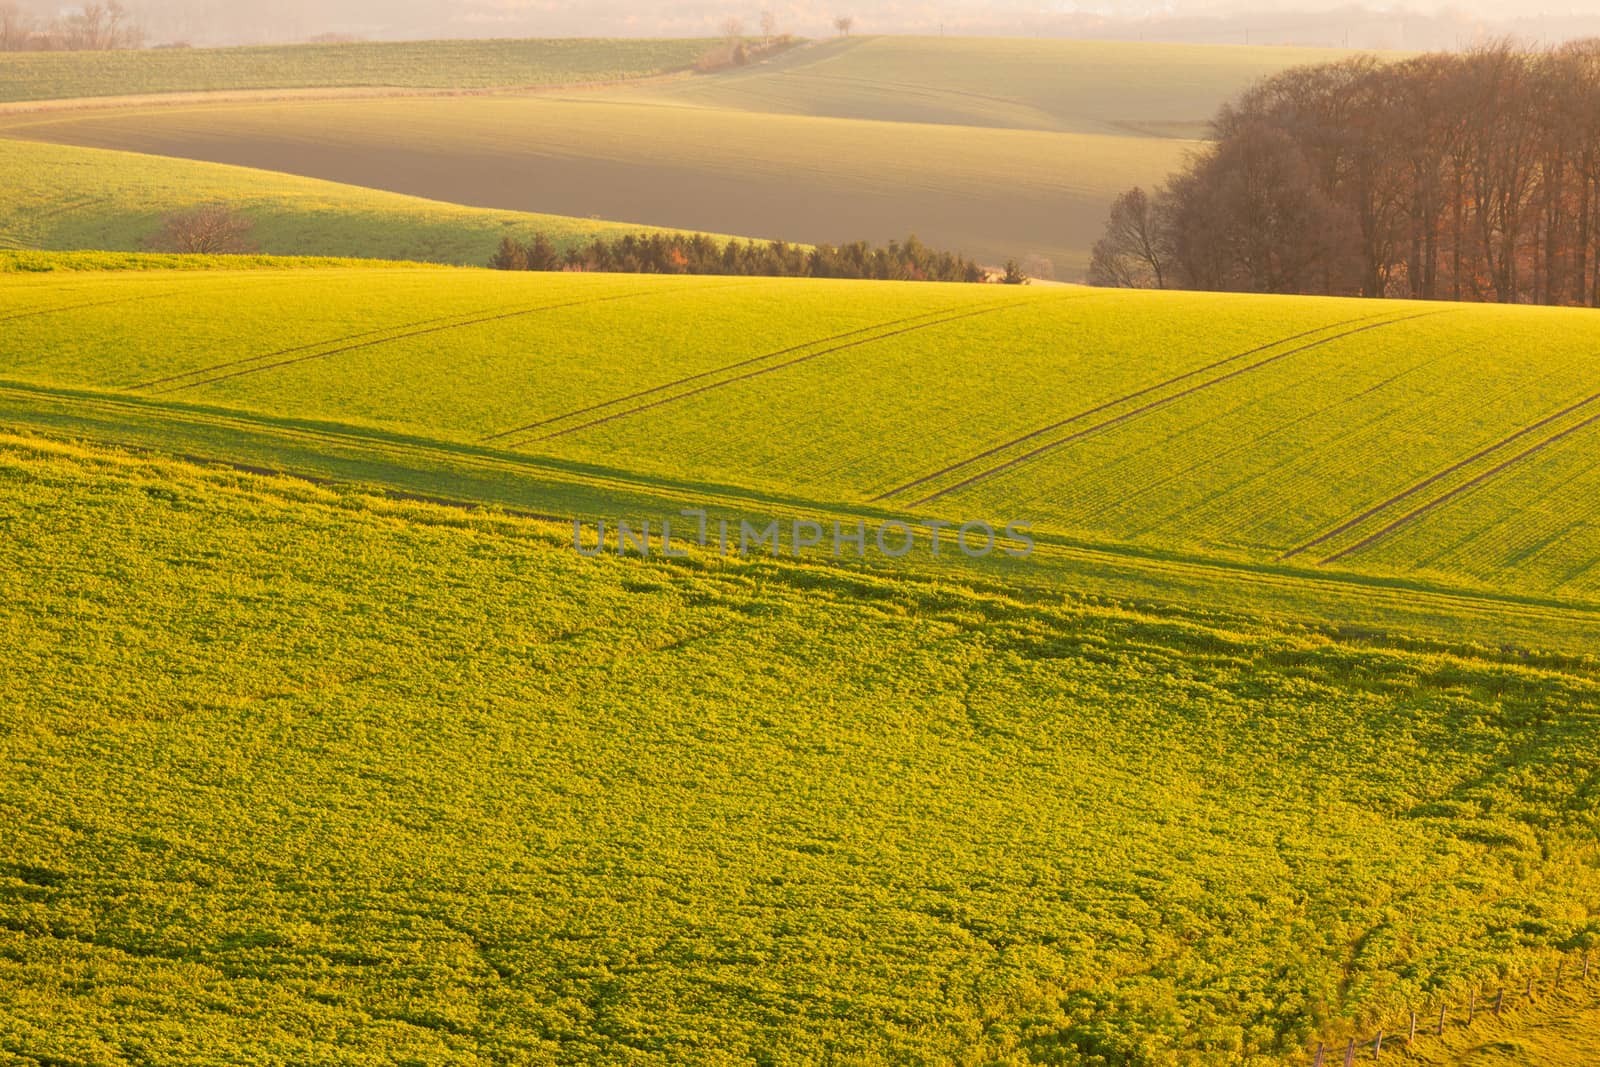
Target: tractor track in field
406,450
706,374
82,307
985,310
34,312
422,332
1117,420
1125,416
897,490
1434,479
1444,498
301,348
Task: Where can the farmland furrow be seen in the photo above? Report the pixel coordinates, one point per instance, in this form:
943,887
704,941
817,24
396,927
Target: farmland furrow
897,490
1444,498
706,374
1125,416
1434,479
985,310
423,332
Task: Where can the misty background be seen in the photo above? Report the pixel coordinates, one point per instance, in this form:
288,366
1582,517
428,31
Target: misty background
1416,26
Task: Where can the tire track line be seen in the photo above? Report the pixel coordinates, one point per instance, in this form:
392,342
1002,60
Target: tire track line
708,373
1125,416
301,348
423,332
1445,498
897,490
1435,478
81,307
987,310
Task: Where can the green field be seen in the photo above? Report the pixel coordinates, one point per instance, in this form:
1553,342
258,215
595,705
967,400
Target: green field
298,774
28,76
1407,442
61,197
321,744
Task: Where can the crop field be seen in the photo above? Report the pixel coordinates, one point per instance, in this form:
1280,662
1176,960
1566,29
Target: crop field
1061,85
326,737
1447,445
827,143
28,76
62,197
296,773
725,171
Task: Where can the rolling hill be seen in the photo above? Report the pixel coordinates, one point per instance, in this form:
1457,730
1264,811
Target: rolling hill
1064,86
298,771
329,733
1437,444
990,193
61,197
867,139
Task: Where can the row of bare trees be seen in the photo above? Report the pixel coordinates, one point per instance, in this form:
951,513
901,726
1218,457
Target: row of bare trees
1464,177
95,27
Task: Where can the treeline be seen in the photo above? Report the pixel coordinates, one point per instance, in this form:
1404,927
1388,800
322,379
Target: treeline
1462,177
88,28
669,253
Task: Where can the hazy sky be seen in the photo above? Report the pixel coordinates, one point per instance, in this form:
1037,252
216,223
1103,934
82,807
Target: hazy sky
218,21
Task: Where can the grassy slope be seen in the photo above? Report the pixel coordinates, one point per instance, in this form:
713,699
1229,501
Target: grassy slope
293,773
1231,428
1065,86
411,64
62,197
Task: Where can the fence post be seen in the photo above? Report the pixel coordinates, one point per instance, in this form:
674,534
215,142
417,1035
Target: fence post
1561,963
1350,1053
1441,1020
1472,1006
1377,1045
1499,999
1319,1060
1529,993
1411,1038
1585,966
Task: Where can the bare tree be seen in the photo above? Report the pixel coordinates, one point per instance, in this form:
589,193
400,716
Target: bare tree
733,30
97,28
844,24
1132,254
1474,176
16,28
769,28
214,229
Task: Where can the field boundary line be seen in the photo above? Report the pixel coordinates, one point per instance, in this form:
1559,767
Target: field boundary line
708,373
1445,498
1125,416
1439,476
897,490
502,317
987,309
